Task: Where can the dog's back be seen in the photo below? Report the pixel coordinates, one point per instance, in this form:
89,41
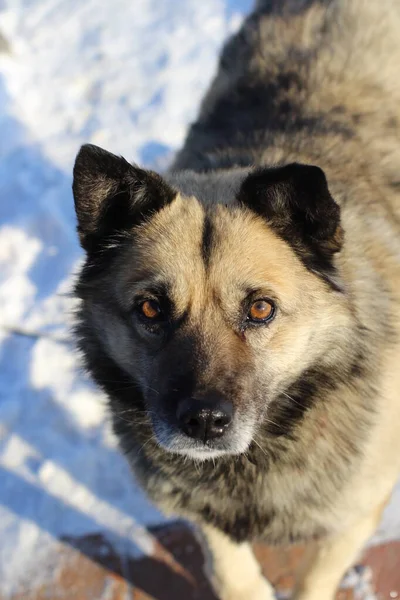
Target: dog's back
308,79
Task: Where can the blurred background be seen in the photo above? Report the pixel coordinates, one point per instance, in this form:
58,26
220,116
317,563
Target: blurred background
128,76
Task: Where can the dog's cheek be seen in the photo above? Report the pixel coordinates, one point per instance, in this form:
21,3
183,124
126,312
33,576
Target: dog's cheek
117,339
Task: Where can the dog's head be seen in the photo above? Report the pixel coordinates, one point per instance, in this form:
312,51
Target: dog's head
212,307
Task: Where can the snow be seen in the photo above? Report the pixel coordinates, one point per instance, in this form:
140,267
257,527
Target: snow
128,76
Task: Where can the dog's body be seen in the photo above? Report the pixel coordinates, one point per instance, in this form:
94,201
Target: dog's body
312,450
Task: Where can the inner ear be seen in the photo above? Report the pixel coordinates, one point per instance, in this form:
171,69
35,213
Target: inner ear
111,195
296,203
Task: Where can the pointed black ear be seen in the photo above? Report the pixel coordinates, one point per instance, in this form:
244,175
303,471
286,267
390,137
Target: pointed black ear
112,195
296,202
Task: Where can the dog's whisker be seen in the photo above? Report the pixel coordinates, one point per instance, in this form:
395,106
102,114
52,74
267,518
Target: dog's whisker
151,439
292,399
260,447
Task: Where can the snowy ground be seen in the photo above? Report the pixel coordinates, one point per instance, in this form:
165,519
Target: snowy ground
127,75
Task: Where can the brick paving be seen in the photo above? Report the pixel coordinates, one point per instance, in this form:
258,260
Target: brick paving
88,568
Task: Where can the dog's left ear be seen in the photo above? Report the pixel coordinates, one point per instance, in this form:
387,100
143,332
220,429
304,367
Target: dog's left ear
111,195
296,203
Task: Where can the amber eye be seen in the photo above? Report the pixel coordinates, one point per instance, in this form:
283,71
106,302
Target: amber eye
150,309
261,311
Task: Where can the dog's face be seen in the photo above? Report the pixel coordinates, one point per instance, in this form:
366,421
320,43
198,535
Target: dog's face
207,307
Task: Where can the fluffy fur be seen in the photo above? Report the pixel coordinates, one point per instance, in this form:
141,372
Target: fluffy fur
287,187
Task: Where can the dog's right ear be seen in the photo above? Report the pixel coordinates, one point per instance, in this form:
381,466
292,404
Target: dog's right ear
112,195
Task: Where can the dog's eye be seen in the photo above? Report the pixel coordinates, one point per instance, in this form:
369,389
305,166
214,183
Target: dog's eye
150,309
261,311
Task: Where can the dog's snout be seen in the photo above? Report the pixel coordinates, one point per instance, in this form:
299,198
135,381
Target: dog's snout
204,420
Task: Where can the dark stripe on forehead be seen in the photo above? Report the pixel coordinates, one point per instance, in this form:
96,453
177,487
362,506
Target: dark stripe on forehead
207,240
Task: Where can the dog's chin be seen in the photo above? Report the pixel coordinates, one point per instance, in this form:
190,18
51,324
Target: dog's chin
178,443
201,454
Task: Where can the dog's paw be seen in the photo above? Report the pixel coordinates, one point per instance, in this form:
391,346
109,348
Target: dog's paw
261,590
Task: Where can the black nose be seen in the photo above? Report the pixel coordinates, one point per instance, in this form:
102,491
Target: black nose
204,420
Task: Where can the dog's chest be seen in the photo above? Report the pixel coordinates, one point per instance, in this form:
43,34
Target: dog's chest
243,503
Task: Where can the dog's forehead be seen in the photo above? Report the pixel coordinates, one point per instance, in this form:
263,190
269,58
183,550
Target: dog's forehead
200,250
244,247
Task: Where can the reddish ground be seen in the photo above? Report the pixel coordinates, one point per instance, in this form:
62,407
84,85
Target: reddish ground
89,569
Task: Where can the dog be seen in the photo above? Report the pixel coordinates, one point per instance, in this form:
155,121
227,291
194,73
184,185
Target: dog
242,311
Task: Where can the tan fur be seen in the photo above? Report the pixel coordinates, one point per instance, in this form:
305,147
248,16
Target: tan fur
225,558
326,561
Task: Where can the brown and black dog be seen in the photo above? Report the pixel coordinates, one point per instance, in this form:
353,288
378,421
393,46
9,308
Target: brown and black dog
242,312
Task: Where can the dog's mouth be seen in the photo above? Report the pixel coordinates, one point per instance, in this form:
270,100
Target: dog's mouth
201,453
234,442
